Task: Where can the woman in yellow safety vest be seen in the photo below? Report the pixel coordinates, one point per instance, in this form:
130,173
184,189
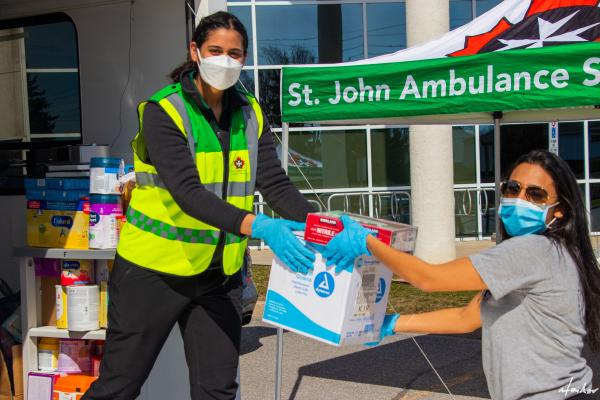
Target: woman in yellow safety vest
202,149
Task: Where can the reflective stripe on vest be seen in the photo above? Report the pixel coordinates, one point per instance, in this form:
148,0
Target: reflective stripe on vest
159,235
233,188
171,232
177,102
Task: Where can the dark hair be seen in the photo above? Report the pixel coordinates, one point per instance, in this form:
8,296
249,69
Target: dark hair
572,232
207,24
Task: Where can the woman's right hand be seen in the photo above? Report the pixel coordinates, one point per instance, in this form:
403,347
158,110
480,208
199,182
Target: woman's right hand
387,328
279,236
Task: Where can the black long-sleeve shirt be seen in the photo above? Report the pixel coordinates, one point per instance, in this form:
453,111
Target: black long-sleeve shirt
168,151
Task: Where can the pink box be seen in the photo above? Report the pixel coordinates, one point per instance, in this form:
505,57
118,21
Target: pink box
47,267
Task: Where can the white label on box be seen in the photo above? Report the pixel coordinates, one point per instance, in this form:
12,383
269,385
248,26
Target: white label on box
39,387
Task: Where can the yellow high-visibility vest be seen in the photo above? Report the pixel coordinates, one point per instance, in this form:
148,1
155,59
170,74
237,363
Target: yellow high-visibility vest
158,234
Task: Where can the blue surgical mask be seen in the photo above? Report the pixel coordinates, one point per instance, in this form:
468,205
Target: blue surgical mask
520,217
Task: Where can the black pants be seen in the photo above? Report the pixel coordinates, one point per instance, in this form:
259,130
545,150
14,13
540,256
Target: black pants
145,305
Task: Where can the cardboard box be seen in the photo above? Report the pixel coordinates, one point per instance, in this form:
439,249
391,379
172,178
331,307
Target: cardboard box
58,224
17,367
48,300
103,308
5,386
322,227
40,385
339,309
57,184
71,387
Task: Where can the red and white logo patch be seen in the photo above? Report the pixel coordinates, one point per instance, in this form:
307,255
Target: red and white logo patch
238,163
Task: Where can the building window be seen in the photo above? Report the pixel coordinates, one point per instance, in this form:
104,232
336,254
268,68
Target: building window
244,14
307,34
390,157
515,141
483,6
464,11
328,159
386,28
519,139
44,79
595,207
570,146
594,149
461,13
486,153
463,148
268,87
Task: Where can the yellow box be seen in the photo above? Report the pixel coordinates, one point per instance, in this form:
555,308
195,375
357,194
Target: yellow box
58,224
103,309
61,307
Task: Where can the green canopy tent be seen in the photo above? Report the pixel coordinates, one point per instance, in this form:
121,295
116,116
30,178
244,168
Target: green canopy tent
522,61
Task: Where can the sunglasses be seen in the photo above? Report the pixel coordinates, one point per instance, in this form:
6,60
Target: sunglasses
533,193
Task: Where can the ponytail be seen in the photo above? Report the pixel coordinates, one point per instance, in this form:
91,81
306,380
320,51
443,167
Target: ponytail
175,75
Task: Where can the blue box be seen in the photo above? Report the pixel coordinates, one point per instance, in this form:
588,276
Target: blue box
58,183
56,195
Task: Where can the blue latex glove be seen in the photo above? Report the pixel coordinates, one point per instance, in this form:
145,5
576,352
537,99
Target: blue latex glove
278,235
350,243
387,328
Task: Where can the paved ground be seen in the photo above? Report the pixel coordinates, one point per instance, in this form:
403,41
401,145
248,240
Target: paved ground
394,370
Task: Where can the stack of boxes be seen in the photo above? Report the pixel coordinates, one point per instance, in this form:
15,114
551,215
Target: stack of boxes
71,364
79,361
58,212
74,292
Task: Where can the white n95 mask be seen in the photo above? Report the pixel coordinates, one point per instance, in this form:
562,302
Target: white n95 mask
220,72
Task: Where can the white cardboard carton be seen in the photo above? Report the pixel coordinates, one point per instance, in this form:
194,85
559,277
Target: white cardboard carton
340,309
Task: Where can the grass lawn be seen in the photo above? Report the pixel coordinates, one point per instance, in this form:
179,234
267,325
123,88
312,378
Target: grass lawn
404,298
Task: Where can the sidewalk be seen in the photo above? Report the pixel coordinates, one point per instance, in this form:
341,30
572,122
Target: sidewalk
463,249
392,371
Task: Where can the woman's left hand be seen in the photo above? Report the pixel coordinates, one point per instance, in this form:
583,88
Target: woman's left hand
350,243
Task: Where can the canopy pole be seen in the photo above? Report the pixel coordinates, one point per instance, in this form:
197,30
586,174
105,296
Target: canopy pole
285,145
497,172
279,364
